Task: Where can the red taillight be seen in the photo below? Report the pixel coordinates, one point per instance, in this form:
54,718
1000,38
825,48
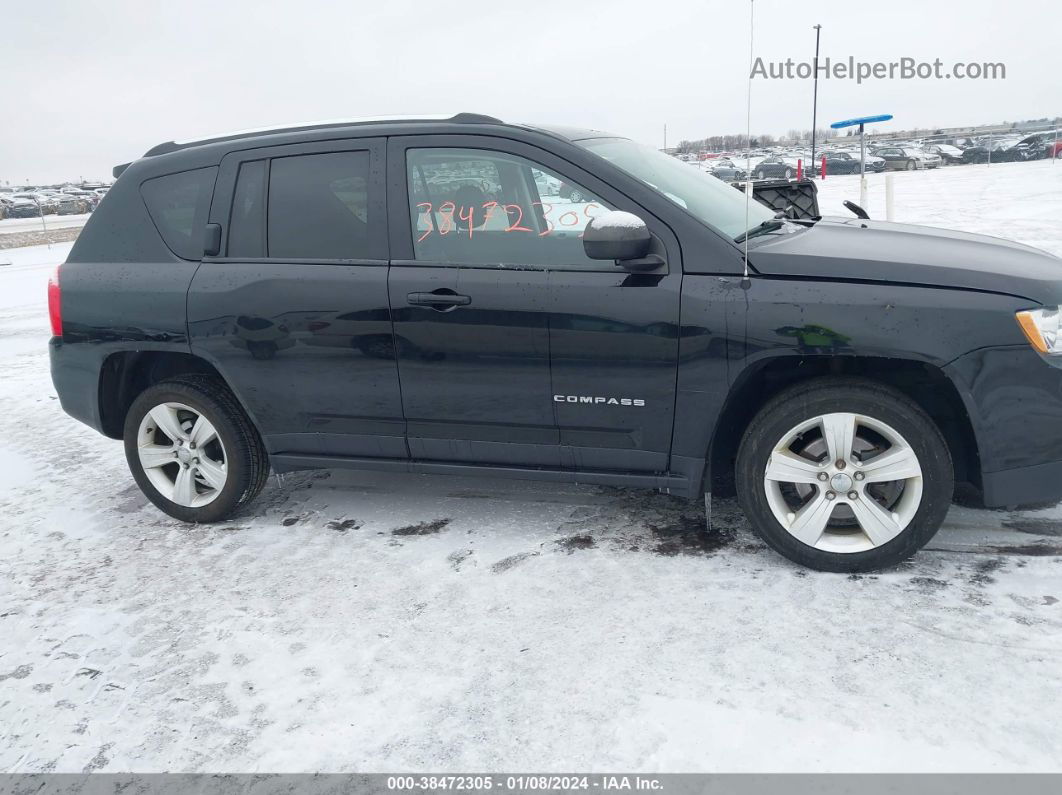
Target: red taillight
55,305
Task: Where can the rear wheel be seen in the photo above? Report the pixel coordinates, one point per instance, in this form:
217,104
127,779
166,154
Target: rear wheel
844,475
192,449
789,173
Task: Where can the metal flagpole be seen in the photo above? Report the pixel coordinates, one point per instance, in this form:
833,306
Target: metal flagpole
815,99
862,167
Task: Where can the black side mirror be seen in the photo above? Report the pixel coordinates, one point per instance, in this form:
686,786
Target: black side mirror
212,240
616,235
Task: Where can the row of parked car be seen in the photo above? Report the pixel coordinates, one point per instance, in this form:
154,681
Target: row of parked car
883,156
35,202
1013,148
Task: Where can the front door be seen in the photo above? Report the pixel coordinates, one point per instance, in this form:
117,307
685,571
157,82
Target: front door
514,348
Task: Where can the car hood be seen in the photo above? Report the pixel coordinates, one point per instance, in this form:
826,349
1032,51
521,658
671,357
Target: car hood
880,251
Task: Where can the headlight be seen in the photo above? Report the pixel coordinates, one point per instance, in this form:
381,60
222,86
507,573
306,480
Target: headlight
1042,328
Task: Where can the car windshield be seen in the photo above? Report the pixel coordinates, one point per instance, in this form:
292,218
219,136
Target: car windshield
712,201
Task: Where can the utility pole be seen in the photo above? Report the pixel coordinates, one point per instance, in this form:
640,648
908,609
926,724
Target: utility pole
665,136
815,98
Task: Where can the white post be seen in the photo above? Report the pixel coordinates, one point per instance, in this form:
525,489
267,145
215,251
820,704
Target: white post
888,197
862,167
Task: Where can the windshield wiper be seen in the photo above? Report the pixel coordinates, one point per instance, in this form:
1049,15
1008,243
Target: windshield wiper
770,225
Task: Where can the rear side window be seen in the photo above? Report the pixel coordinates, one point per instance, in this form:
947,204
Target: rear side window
247,227
318,206
178,204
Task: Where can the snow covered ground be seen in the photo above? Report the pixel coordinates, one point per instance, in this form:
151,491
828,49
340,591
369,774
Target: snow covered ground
371,622
1019,201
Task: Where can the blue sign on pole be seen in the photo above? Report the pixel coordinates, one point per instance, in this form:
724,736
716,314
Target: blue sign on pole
862,148
860,121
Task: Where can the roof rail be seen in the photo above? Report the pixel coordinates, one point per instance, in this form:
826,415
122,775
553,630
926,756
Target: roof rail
175,146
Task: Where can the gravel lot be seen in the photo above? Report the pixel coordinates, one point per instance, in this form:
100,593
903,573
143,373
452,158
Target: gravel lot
22,232
370,622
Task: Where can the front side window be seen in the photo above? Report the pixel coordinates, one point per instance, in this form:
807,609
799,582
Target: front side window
178,204
318,207
480,207
711,200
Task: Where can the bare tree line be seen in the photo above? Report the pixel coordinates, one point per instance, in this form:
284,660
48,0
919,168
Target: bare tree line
718,143
737,141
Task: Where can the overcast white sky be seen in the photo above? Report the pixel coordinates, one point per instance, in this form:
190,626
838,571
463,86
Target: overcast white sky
86,85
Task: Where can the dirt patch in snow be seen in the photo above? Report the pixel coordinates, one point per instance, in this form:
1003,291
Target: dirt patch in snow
342,525
572,543
422,528
39,237
1037,527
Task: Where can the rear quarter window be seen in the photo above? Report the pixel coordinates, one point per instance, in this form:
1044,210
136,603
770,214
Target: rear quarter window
178,205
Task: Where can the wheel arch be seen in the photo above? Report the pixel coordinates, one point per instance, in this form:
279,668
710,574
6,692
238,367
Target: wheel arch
125,374
927,385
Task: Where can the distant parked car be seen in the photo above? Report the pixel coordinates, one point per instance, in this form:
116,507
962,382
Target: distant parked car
23,206
726,170
87,197
776,167
1033,147
930,159
70,205
998,147
45,204
901,159
875,164
837,163
947,153
49,201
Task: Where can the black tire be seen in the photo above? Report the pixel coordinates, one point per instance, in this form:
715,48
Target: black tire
760,175
835,394
789,173
912,165
246,457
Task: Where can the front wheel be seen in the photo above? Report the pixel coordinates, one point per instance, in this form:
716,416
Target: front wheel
911,165
193,451
844,475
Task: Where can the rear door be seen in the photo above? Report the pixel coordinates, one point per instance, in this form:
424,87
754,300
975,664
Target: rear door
514,347
294,312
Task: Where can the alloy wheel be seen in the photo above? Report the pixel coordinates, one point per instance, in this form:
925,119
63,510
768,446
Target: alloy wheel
843,482
182,454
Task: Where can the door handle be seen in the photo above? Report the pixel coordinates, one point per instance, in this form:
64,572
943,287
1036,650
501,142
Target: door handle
444,298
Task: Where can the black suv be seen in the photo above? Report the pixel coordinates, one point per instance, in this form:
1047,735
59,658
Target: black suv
464,296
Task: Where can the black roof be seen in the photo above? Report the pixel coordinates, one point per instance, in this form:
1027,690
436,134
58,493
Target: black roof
569,133
173,146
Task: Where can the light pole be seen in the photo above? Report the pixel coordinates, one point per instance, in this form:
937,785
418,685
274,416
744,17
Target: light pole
815,98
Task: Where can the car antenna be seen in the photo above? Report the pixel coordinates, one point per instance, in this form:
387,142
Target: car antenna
745,283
